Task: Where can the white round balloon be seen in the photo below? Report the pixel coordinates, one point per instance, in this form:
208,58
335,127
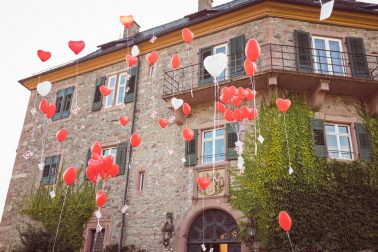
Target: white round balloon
134,50
215,64
44,88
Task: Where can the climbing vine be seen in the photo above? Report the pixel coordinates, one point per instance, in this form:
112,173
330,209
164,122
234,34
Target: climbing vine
78,208
332,203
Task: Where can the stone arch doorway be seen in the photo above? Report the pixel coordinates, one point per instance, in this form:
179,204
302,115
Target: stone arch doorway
216,229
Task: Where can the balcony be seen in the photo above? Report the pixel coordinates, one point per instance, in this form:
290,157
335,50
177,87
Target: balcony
358,78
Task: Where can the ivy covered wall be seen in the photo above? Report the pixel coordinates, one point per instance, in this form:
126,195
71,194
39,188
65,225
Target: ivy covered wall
333,204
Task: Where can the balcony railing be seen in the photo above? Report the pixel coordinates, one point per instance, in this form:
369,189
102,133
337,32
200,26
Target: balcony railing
277,58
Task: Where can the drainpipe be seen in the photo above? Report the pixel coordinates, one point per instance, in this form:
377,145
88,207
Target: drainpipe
128,156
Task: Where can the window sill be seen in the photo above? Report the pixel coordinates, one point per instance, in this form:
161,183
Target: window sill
113,108
60,120
210,165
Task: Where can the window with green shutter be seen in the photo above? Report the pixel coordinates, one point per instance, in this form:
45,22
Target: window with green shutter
320,147
303,52
131,85
97,98
121,157
363,141
63,103
204,76
237,56
191,150
231,138
357,57
50,170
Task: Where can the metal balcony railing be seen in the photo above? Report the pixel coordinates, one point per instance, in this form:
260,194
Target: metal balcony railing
276,57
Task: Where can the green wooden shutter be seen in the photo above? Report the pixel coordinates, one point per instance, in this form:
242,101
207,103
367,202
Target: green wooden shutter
50,170
357,57
320,147
89,154
131,84
97,99
191,150
68,95
59,103
363,141
303,52
121,157
237,56
204,77
231,138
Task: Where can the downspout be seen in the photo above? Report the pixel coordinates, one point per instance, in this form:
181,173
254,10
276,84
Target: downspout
128,157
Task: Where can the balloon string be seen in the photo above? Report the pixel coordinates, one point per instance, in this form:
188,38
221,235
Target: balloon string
44,128
60,219
291,244
255,111
33,131
287,141
77,72
214,123
191,73
203,216
36,93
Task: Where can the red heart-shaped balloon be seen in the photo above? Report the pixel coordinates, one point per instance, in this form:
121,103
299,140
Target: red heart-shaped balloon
76,46
50,110
229,115
252,50
61,135
131,60
249,67
114,171
100,199
163,122
203,182
244,111
283,104
97,148
224,99
220,107
175,61
96,165
70,175
152,57
43,105
186,109
251,94
241,94
238,115
236,101
285,221
43,55
135,140
127,21
252,113
124,120
105,91
188,134
108,163
187,35
91,174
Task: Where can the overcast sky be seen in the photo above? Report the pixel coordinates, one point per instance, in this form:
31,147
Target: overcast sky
27,26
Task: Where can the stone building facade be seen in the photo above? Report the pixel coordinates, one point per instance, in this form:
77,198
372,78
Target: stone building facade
294,44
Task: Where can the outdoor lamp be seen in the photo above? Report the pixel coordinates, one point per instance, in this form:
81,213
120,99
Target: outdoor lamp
168,229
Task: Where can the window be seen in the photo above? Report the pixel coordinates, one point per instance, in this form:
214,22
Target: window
141,181
50,170
117,83
63,103
97,240
152,71
110,151
339,144
213,146
221,49
328,56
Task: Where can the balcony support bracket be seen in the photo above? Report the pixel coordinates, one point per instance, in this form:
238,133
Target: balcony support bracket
272,84
317,94
372,104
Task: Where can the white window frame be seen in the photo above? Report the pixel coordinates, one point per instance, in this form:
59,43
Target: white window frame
337,134
142,177
225,45
328,55
213,139
110,151
115,90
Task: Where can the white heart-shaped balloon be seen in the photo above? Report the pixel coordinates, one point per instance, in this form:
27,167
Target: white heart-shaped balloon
177,103
134,50
215,64
44,88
